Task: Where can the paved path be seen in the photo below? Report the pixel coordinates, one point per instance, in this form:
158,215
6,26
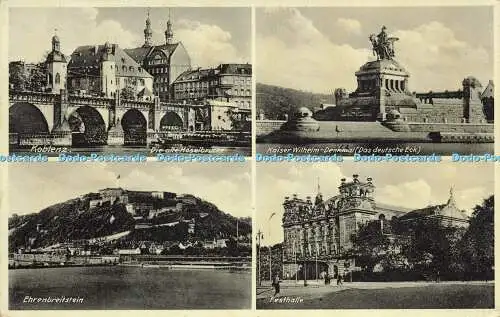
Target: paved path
403,295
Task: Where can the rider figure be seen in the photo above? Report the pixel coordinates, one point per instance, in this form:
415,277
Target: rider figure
384,43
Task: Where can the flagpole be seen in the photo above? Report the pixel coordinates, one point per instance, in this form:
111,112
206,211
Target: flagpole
316,264
295,256
282,260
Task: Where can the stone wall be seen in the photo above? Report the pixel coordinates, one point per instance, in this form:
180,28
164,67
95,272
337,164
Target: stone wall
264,127
437,113
441,127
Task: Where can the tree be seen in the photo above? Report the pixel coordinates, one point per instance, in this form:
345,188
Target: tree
239,122
38,78
27,77
128,92
432,248
375,244
477,245
18,77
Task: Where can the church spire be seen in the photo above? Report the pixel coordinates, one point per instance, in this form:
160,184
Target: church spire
148,33
169,34
56,44
319,197
451,200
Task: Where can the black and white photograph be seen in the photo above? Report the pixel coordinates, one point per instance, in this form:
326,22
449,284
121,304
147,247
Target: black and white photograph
353,236
398,80
128,237
130,79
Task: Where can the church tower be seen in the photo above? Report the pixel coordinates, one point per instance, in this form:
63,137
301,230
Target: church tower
108,71
148,33
56,64
169,34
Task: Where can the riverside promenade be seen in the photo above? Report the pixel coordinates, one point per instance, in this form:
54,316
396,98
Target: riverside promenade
376,295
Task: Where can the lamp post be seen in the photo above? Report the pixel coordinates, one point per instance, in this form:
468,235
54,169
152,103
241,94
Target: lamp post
270,247
316,264
259,237
305,271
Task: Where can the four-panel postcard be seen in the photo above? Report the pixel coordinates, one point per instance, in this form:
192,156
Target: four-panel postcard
248,158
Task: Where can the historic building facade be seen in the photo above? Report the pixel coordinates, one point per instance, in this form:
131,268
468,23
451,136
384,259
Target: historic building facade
227,82
165,61
106,70
317,234
383,94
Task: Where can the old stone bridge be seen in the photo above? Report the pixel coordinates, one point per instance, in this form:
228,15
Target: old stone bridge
65,119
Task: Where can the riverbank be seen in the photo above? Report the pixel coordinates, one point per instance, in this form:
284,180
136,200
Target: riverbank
376,132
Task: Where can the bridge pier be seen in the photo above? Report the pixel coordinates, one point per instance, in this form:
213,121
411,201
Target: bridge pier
62,135
116,136
150,136
62,138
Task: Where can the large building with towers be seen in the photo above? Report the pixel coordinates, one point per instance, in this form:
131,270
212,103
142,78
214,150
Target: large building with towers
319,232
165,61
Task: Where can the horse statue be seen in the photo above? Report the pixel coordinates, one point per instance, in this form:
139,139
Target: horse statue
382,45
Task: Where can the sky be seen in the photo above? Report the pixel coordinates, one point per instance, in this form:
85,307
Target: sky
320,49
228,186
210,35
415,187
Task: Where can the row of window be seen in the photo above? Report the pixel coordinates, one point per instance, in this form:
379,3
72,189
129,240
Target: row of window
158,70
160,79
236,80
160,88
125,68
157,61
76,82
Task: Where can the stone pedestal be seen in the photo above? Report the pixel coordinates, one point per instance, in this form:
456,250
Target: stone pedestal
116,135
62,135
150,136
381,84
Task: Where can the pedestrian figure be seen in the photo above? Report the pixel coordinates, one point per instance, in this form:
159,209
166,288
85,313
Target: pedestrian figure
339,279
326,278
276,284
438,278
338,130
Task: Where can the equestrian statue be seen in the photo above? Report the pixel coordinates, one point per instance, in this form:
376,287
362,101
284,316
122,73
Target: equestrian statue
383,45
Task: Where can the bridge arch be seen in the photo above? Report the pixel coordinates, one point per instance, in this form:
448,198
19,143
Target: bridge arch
171,121
89,126
134,125
27,118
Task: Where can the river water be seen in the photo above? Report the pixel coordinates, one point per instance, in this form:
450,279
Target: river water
122,287
348,149
219,150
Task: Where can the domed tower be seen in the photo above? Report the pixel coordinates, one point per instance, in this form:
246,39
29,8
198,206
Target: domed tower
56,64
169,34
319,197
108,71
148,33
356,192
356,206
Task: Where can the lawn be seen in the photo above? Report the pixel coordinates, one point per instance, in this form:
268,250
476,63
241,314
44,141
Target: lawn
421,297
